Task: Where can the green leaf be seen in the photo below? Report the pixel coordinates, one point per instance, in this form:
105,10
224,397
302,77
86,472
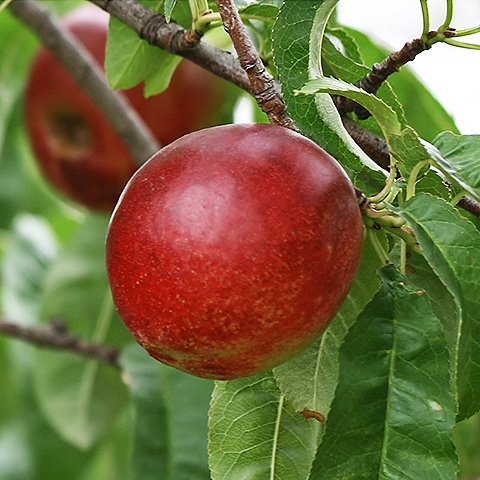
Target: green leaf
336,46
171,419
22,189
348,48
459,160
256,434
169,6
422,277
130,60
393,412
14,456
266,12
451,245
404,144
297,40
80,397
159,80
335,62
310,378
385,115
409,149
32,248
468,446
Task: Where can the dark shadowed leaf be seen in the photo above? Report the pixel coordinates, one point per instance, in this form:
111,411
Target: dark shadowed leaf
451,245
393,412
80,397
171,419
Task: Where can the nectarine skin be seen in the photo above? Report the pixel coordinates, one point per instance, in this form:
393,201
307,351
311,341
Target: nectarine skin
232,249
76,148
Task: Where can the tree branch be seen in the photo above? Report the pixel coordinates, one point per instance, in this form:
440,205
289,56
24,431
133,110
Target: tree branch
262,82
85,71
54,335
469,204
152,27
373,145
379,73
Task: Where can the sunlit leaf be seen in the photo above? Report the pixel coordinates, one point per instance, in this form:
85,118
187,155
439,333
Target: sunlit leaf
259,11
404,144
32,248
255,433
385,116
131,60
297,41
460,159
169,6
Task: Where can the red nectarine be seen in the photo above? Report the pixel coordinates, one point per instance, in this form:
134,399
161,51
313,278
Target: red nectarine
232,248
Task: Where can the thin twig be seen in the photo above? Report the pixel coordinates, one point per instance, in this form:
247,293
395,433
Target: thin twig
379,73
85,71
262,82
54,335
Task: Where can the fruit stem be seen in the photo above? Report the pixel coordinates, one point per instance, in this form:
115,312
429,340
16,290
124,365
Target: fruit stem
448,16
198,8
467,31
456,43
412,181
207,20
384,193
378,247
425,18
458,197
406,234
383,218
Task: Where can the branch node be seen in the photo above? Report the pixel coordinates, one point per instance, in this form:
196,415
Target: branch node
193,37
150,28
